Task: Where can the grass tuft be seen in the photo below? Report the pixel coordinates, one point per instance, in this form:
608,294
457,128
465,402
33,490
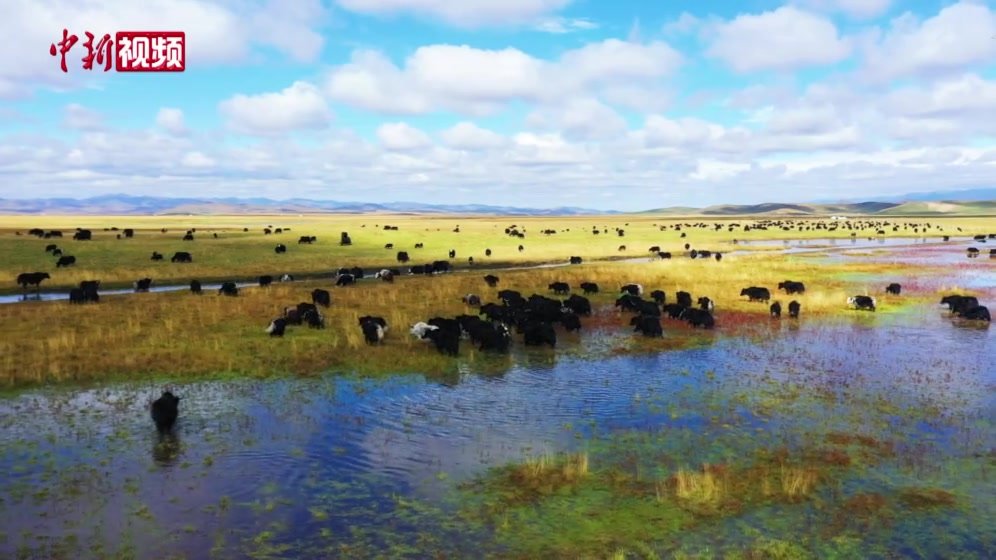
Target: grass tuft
920,498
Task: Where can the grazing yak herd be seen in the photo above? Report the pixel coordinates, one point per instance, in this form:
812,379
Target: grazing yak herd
533,317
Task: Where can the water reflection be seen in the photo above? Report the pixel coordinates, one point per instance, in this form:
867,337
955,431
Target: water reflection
285,465
166,448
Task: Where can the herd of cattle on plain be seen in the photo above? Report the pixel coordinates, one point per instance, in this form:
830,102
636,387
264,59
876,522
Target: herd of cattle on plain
533,317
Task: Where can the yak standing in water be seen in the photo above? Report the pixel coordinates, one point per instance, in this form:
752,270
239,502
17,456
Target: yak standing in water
164,411
794,309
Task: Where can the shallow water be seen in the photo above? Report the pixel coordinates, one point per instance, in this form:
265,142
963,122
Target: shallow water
57,296
359,468
304,467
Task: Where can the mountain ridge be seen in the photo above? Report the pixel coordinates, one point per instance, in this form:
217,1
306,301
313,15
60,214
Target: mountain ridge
148,205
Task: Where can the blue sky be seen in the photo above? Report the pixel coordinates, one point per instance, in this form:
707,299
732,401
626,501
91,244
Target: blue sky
624,104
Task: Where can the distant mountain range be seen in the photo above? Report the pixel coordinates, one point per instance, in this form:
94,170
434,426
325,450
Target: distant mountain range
933,196
969,202
119,204
940,208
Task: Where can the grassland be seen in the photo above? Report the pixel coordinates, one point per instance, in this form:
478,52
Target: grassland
182,335
236,254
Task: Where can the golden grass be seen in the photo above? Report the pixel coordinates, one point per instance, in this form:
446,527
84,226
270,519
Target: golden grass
716,488
542,476
241,255
569,468
704,488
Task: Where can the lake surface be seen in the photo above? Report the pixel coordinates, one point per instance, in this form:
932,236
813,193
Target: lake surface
345,467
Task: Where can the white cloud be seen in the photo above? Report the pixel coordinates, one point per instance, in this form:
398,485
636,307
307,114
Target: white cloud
477,81
466,135
686,23
612,61
287,26
371,81
197,160
299,106
402,136
783,39
217,32
659,131
640,98
755,96
469,74
940,156
561,25
170,119
967,96
711,170
958,37
668,161
545,150
79,117
584,119
857,9
951,111
781,138
804,120
465,13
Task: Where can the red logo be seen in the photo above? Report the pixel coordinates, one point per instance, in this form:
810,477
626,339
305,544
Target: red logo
150,51
131,51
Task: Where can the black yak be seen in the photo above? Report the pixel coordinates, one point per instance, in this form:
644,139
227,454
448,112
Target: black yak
164,411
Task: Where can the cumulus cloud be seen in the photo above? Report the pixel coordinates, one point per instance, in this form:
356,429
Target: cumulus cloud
371,81
170,119
610,120
479,81
584,119
287,26
299,106
808,120
402,136
196,160
666,161
218,31
466,13
685,23
968,97
958,37
466,135
784,39
951,111
659,131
